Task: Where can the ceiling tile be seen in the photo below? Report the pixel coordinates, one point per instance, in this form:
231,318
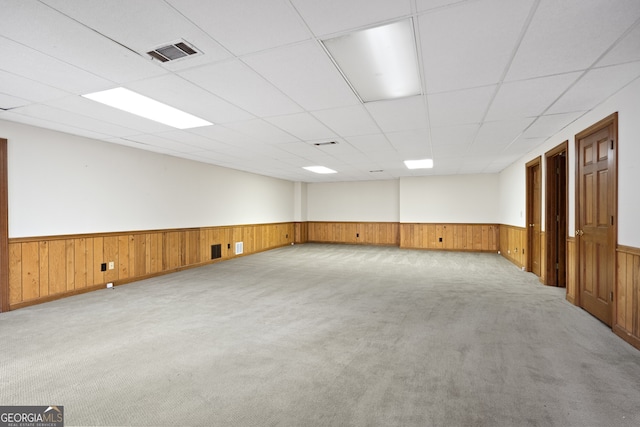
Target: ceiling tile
413,144
549,125
262,131
50,123
33,65
399,114
74,43
496,136
423,5
348,121
332,16
8,102
454,135
560,37
146,25
459,107
303,126
75,120
85,107
627,50
470,44
366,143
528,98
239,85
163,143
306,74
186,96
243,28
224,135
596,86
26,89
189,138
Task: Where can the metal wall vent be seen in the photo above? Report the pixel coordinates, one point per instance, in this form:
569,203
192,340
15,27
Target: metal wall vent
172,52
320,144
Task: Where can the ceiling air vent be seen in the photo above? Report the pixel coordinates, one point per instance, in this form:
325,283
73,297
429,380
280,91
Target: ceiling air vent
172,52
320,144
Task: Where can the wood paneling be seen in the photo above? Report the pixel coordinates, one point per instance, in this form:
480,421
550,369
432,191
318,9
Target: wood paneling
513,241
46,268
626,322
366,233
301,232
543,257
4,230
572,278
455,237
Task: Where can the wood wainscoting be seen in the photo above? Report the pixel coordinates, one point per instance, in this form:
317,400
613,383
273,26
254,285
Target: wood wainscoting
455,237
626,320
47,268
572,273
513,241
364,233
301,232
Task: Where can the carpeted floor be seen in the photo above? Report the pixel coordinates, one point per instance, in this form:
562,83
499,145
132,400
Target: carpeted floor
324,335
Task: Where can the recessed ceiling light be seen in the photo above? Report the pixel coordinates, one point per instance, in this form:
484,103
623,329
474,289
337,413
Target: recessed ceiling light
319,169
140,105
419,164
379,63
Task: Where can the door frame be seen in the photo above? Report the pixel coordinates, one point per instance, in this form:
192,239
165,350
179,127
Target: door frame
529,206
552,209
611,120
4,228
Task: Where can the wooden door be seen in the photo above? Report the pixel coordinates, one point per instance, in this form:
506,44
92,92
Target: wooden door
556,216
596,218
534,194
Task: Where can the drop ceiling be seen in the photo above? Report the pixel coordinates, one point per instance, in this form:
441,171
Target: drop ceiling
498,78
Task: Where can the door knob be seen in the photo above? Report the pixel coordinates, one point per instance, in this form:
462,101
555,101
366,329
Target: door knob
579,232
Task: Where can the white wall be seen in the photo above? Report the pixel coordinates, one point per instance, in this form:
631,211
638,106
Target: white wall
627,104
374,201
64,184
512,190
300,201
453,198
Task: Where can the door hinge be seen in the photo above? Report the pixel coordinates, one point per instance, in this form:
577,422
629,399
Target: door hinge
612,144
557,266
557,218
611,219
557,171
611,295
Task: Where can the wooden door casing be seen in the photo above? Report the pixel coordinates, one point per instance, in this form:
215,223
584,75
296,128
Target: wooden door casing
534,215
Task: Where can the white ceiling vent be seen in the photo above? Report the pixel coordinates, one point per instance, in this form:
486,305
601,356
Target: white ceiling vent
173,51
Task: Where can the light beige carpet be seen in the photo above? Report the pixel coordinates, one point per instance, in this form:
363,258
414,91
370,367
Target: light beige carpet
324,335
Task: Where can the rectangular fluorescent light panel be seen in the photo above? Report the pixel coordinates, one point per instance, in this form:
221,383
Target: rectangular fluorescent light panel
379,63
419,164
319,169
140,105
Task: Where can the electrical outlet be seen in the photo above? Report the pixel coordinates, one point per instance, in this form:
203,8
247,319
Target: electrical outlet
112,265
109,285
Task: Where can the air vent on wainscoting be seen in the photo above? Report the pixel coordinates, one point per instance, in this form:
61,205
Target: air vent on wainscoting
320,144
239,248
172,51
